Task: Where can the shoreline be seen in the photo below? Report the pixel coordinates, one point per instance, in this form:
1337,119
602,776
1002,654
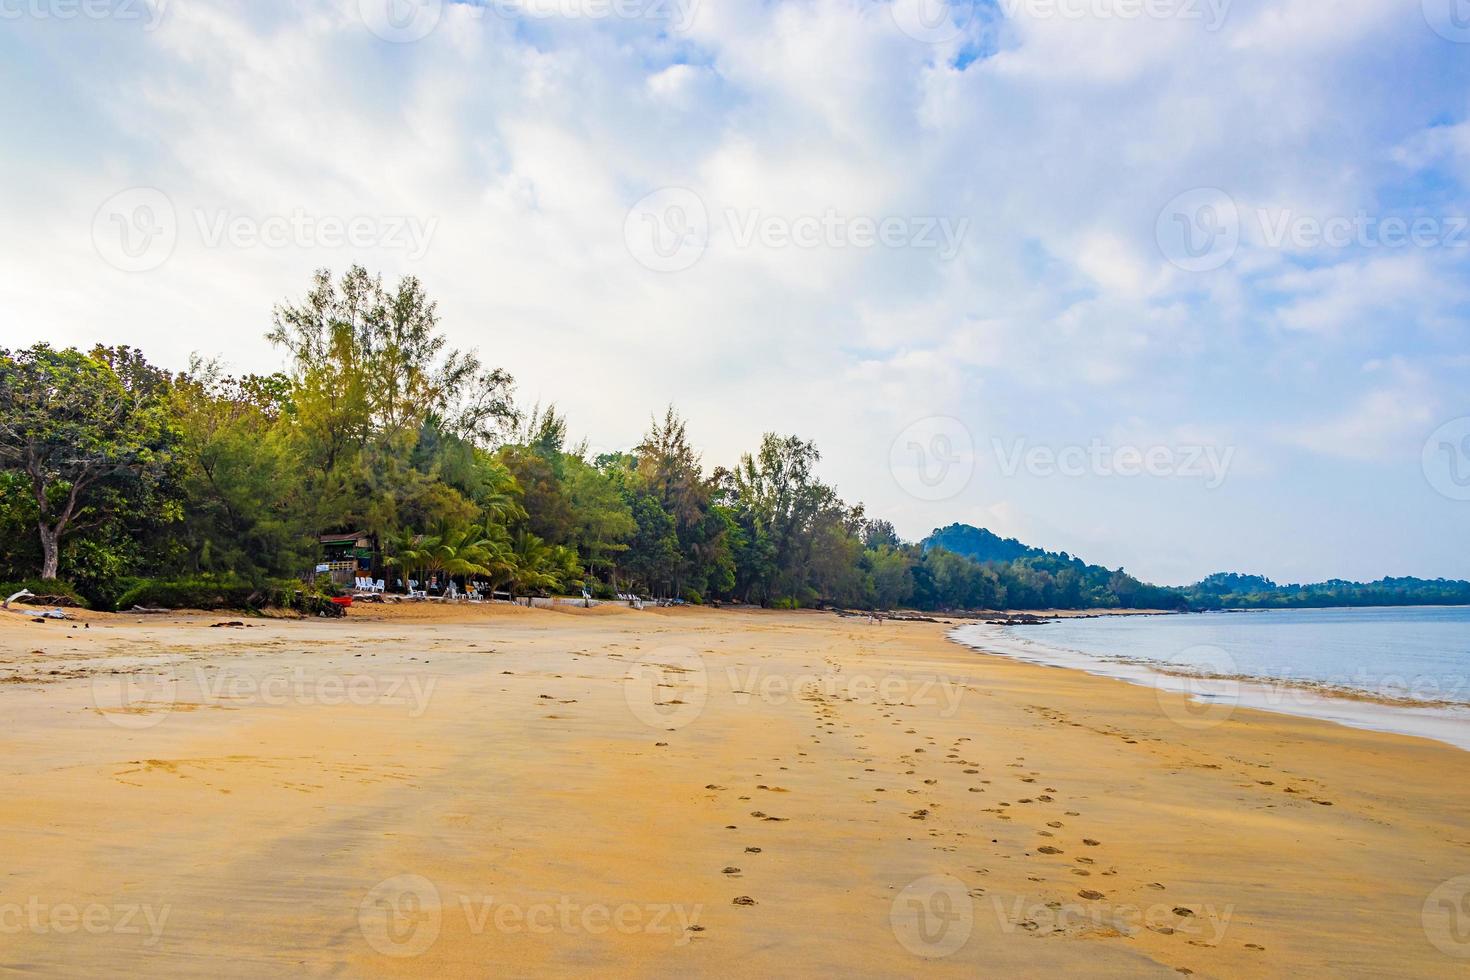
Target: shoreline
1443,721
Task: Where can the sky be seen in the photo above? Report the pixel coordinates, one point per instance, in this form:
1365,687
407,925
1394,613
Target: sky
1173,285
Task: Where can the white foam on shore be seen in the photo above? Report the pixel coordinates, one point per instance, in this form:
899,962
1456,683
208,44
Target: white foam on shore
1450,725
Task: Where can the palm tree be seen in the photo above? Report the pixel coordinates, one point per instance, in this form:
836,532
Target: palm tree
501,496
452,551
405,551
542,567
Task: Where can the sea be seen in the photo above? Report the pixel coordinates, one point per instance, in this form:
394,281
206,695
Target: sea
1398,669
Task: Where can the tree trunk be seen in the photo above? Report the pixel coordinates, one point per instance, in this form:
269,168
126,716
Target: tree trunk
50,551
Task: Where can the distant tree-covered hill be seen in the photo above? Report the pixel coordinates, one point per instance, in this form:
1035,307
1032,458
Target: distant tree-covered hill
1023,577
980,544
1254,592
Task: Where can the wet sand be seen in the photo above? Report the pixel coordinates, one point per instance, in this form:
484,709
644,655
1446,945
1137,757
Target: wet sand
461,792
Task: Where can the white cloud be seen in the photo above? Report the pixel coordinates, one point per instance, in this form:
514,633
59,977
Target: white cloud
1388,421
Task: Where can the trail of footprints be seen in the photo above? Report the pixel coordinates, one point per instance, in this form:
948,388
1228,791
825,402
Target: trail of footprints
919,771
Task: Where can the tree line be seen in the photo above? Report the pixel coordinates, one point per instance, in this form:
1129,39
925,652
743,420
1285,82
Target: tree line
116,474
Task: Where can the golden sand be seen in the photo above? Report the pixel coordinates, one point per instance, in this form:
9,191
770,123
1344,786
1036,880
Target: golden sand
494,791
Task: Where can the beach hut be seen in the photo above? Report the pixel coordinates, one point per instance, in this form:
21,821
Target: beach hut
349,555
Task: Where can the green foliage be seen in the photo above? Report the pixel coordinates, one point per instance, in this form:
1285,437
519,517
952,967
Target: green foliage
216,490
225,592
45,588
88,441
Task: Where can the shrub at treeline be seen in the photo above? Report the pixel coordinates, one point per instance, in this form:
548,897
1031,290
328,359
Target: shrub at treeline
139,487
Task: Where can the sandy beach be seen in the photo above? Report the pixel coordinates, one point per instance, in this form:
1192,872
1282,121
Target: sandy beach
467,791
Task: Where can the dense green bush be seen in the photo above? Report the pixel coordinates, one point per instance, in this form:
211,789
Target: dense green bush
52,589
226,592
